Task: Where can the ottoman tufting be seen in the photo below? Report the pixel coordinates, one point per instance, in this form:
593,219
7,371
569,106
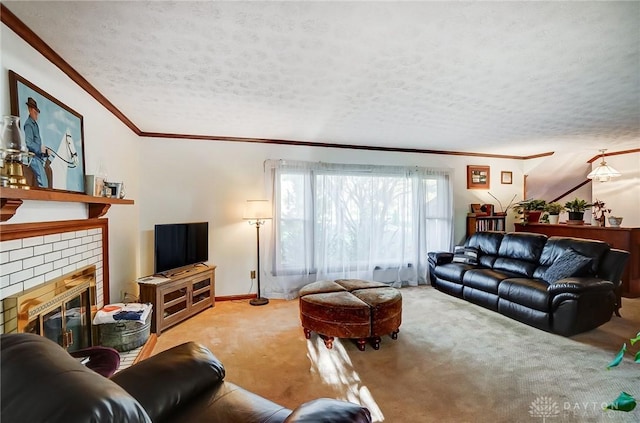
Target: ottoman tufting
350,308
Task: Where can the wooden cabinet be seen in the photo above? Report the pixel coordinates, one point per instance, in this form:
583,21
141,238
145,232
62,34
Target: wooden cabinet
179,297
627,239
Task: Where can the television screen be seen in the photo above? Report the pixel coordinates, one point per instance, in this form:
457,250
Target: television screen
180,244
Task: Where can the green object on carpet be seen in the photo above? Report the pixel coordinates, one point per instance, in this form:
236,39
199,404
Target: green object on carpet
624,402
618,357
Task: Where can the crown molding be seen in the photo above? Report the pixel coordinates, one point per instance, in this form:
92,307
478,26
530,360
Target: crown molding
615,153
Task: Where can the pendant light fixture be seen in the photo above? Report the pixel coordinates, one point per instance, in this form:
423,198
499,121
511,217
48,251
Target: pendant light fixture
603,172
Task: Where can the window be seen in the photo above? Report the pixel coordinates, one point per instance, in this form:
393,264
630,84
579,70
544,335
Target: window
352,221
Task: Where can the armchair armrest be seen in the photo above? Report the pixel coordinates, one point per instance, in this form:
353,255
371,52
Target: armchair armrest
578,285
326,410
164,381
440,257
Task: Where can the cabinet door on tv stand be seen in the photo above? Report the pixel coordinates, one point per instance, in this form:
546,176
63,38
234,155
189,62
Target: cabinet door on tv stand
202,292
174,300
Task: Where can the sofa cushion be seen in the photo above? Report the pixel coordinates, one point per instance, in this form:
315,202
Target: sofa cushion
452,271
570,263
536,318
484,279
486,242
522,246
515,266
462,254
527,292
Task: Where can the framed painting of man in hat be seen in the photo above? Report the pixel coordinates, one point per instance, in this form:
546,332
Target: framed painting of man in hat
53,132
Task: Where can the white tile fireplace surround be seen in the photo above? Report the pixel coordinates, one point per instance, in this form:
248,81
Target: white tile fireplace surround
35,253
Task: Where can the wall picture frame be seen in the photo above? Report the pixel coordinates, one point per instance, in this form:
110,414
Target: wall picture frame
478,177
61,131
506,177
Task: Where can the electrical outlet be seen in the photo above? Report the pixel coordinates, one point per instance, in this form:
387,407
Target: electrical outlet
253,274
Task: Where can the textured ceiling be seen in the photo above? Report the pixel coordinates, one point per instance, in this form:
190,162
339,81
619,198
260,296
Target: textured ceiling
492,77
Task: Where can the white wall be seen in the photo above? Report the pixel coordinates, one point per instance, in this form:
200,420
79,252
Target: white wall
188,181
106,141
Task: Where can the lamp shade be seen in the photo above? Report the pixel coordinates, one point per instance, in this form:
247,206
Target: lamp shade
257,210
603,172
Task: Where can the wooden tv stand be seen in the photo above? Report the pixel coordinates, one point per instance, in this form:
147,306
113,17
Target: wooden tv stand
179,297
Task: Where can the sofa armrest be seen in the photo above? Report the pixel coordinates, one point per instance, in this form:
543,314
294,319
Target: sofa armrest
326,410
578,285
166,380
439,257
612,265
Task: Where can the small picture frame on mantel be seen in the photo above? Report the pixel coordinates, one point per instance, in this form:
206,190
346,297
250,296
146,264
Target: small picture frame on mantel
506,177
94,185
478,177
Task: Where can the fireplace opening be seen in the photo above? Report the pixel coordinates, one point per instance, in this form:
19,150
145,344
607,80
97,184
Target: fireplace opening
61,309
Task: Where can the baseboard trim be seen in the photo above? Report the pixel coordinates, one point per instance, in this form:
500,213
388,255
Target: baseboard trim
236,297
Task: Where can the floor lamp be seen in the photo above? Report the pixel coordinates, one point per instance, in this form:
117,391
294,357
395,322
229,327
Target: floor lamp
257,212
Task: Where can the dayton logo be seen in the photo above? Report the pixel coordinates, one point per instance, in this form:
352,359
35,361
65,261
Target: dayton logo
544,407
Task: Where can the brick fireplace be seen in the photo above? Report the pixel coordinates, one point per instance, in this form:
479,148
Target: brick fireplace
33,254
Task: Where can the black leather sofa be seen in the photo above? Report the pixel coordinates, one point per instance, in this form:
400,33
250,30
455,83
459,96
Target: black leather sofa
515,274
41,382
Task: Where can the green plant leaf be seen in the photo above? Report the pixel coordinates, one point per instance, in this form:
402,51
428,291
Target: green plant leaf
637,359
618,358
624,402
636,339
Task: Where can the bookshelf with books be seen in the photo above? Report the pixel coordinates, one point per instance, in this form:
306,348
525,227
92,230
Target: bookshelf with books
483,218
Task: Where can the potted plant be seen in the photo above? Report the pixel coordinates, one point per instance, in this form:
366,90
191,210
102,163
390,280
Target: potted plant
599,212
530,210
576,208
503,211
554,210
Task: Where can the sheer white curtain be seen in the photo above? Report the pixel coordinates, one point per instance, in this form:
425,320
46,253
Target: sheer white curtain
335,221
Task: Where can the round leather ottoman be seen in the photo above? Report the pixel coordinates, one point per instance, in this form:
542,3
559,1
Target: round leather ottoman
350,308
386,311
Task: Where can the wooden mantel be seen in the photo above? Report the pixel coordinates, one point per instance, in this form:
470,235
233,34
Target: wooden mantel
12,198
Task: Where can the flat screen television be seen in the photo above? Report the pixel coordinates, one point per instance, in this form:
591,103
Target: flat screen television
178,245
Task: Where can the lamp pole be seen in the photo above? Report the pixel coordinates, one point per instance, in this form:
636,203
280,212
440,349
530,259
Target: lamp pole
257,212
258,300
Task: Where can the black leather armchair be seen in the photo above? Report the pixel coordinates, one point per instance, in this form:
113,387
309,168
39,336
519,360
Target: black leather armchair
41,382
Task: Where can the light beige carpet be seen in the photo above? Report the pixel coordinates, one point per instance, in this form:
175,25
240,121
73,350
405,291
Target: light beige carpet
452,362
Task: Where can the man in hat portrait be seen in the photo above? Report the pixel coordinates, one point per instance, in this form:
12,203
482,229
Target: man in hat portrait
34,144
